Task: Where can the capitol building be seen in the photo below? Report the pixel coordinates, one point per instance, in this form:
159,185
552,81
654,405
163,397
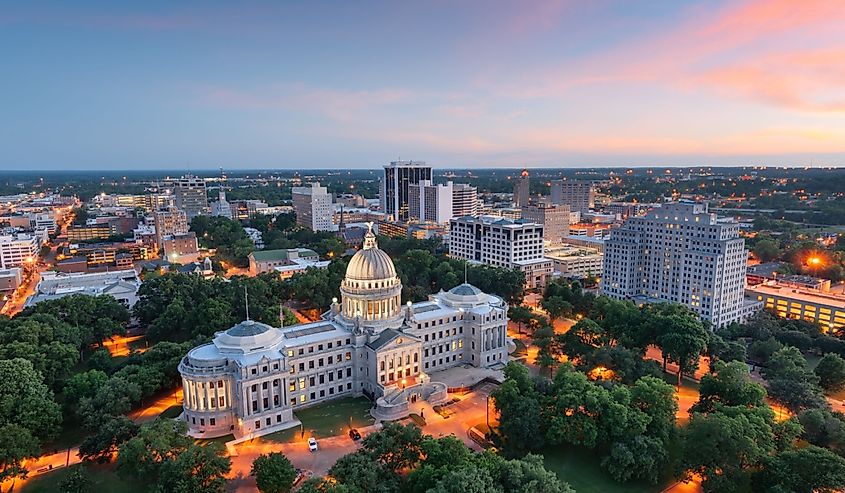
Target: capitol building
252,377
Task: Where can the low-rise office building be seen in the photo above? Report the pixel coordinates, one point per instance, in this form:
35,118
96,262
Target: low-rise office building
284,261
791,301
501,243
121,284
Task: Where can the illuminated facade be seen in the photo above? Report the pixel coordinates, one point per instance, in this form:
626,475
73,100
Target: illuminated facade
252,377
787,301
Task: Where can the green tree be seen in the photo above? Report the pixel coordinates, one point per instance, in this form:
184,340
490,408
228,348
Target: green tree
77,481
273,473
142,456
26,401
725,446
16,444
520,315
766,250
679,333
325,485
791,382
584,338
803,470
197,468
395,446
831,372
360,471
84,384
519,412
107,438
729,385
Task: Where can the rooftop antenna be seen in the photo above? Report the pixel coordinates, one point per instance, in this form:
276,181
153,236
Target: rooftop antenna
281,316
466,262
246,302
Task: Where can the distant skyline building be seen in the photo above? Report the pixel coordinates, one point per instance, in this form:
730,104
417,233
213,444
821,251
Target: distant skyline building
313,206
169,221
221,207
191,196
522,189
680,253
464,200
579,195
395,186
430,203
554,218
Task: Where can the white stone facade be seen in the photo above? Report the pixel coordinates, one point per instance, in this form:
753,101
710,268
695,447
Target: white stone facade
313,206
679,253
252,377
501,243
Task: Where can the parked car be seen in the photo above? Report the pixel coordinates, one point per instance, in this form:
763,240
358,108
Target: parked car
354,434
312,444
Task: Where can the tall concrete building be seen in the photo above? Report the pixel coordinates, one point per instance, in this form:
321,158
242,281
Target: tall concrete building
554,218
521,190
430,203
464,200
190,194
501,242
579,195
313,206
680,253
396,183
169,221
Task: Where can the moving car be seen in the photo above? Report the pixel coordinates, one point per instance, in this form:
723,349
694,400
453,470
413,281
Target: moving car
312,444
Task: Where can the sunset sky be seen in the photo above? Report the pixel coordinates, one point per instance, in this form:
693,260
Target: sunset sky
184,85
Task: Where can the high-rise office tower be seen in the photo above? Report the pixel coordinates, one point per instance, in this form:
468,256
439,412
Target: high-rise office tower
464,200
579,195
430,203
190,195
398,177
501,243
169,221
680,253
313,206
521,190
554,218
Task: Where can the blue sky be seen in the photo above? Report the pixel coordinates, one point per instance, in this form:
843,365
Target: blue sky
117,85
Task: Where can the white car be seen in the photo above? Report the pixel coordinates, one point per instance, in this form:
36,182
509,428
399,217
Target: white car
312,444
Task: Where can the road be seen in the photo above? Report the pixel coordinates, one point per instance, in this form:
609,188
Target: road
470,411
119,345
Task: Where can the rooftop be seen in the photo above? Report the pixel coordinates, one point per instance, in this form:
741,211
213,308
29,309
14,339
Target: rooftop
282,254
806,296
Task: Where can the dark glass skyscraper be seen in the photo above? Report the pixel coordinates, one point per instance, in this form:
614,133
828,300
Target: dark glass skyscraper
398,176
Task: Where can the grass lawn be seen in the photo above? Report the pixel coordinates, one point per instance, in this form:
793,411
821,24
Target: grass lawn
171,412
329,419
221,440
521,350
103,478
581,468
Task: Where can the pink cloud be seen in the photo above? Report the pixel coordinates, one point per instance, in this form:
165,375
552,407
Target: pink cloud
780,52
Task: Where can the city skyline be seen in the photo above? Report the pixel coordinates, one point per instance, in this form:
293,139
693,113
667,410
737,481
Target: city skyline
552,84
